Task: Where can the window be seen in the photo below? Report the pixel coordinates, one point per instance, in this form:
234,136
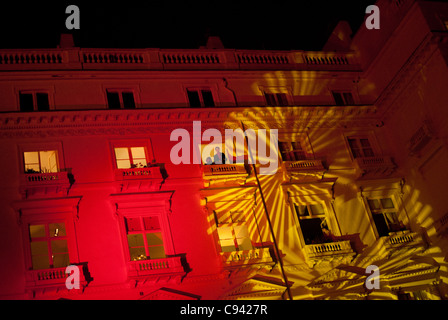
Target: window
313,223
200,98
31,101
40,161
360,147
232,231
48,245
291,151
384,215
144,236
343,98
276,99
117,99
130,157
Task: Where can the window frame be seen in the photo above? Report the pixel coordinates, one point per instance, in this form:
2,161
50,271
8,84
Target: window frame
132,143
33,91
232,225
199,91
362,135
324,217
37,147
344,100
383,211
275,91
120,92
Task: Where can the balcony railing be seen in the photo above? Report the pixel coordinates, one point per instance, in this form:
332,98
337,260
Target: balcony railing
45,178
171,265
403,239
327,252
304,165
247,257
139,173
380,166
50,277
224,169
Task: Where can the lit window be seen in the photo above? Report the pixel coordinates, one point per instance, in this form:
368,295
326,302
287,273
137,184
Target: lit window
276,99
48,243
385,216
31,101
343,98
40,161
313,223
291,151
144,236
232,231
117,99
130,157
360,147
200,98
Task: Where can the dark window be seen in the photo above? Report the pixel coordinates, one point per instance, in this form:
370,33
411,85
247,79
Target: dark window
343,98
26,102
207,97
128,100
193,98
276,99
360,147
42,101
113,100
270,99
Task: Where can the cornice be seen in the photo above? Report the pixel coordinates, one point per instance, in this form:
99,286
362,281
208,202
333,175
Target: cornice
148,121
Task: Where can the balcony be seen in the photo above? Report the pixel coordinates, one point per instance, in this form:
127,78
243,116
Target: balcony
237,259
375,167
304,170
44,183
403,241
47,278
156,269
139,179
229,174
340,251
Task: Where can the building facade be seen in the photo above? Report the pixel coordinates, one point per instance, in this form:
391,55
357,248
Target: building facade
357,135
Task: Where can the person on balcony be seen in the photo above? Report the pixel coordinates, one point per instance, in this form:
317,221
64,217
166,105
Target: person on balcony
219,157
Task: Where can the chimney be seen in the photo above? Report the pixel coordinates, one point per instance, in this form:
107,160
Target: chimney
214,42
66,41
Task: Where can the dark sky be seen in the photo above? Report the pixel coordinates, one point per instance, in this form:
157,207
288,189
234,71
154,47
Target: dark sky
243,24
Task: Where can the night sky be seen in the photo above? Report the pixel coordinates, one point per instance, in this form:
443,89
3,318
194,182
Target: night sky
269,25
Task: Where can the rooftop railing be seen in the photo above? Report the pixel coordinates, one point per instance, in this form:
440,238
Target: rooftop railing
160,59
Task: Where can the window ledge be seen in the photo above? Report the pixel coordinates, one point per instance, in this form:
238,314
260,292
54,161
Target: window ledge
139,179
44,183
402,239
224,169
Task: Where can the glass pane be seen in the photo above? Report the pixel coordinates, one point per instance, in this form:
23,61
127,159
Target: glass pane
133,224
61,260
151,223
193,99
311,230
368,152
57,229
39,248
121,153
241,231
48,162
113,100
282,99
365,143
37,231
302,211
348,98
42,101
128,100
338,98
123,164
138,157
225,233
227,245
135,240
270,99
156,252
392,218
137,253
31,157
317,209
387,203
59,246
207,97
374,204
244,244
26,102
381,225
154,238
40,262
